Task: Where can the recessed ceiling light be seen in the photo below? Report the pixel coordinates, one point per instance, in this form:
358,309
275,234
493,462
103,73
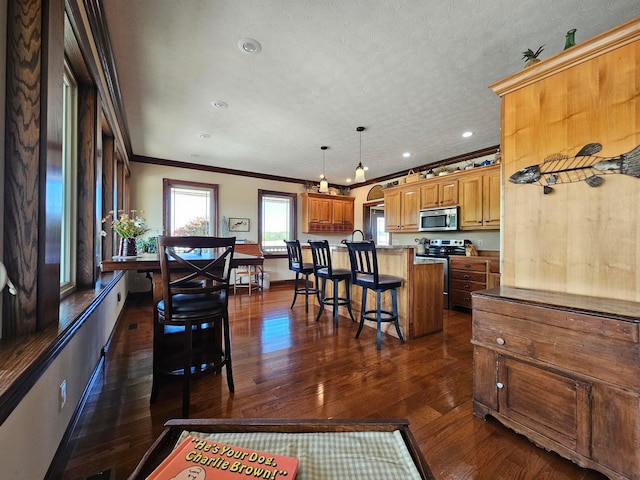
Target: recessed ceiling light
366,168
348,180
467,134
204,135
219,104
249,46
406,154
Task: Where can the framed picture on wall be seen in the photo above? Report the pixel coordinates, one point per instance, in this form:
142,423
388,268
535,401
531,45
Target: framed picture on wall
238,224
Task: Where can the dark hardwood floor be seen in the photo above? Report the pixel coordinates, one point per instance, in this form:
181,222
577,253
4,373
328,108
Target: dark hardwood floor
286,365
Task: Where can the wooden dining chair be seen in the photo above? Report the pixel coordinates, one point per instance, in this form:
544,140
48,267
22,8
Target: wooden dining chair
364,272
193,311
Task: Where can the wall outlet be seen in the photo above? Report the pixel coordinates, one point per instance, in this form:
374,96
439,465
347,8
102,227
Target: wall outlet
62,397
480,243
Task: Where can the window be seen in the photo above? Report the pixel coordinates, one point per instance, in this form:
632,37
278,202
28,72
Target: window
190,208
277,221
69,156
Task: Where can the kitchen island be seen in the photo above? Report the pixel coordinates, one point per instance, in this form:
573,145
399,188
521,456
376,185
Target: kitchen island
420,303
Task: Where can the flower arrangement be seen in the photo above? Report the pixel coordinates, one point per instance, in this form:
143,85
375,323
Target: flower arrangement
128,225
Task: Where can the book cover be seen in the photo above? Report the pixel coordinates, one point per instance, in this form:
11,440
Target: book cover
198,459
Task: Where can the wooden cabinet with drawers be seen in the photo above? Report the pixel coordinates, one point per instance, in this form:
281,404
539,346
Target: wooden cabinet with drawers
563,370
466,275
323,213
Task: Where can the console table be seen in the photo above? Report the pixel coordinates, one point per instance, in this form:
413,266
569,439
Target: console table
563,370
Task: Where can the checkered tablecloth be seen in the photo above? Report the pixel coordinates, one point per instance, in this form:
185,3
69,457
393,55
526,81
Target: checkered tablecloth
331,456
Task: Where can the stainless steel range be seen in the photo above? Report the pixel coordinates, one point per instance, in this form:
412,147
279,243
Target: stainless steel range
439,250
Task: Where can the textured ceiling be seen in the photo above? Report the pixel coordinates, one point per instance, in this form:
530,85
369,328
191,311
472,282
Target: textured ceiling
415,73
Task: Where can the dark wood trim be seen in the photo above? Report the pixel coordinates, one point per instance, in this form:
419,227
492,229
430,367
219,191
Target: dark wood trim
243,173
88,148
212,169
27,360
99,32
447,161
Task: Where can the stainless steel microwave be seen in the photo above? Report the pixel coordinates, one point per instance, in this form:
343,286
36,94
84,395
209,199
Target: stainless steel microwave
438,219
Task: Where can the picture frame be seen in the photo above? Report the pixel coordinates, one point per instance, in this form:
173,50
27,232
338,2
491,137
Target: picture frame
238,224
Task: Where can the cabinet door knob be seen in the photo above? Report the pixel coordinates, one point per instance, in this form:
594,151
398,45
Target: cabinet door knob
500,341
499,385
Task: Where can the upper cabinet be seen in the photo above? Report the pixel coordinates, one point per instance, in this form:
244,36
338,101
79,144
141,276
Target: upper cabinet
323,213
401,207
480,199
439,193
476,191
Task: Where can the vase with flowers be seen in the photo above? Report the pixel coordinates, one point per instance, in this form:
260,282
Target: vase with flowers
129,226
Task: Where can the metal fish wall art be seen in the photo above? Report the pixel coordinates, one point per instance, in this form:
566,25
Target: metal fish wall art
584,166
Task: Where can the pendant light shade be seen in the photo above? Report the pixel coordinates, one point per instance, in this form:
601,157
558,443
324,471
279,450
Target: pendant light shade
359,178
324,184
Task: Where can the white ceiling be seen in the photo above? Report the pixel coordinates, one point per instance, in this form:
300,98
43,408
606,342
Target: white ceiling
415,73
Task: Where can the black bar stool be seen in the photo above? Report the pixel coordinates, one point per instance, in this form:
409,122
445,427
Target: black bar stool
324,271
364,272
296,264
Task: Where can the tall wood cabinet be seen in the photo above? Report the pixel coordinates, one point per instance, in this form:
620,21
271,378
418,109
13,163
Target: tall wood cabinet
323,213
563,370
562,240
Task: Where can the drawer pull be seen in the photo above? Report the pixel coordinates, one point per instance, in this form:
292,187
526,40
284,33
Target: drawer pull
467,265
466,285
500,341
466,276
467,299
499,385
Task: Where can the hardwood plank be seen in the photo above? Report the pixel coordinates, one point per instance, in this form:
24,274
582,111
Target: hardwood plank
289,366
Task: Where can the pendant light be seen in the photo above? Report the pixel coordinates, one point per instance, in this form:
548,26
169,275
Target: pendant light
360,169
324,184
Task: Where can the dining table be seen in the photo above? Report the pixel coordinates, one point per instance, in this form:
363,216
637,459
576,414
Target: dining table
150,263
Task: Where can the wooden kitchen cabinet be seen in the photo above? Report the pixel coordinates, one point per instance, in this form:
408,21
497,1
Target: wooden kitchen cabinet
401,207
466,275
480,199
440,193
323,213
563,370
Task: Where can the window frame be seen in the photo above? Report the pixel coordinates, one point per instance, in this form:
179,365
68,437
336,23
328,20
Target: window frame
293,219
69,174
168,184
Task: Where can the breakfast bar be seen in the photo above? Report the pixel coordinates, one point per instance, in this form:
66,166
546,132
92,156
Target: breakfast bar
420,303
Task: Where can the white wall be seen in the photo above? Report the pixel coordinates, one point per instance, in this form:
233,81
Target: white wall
30,436
237,196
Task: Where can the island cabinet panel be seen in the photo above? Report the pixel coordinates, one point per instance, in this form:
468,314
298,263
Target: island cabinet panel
563,370
326,213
